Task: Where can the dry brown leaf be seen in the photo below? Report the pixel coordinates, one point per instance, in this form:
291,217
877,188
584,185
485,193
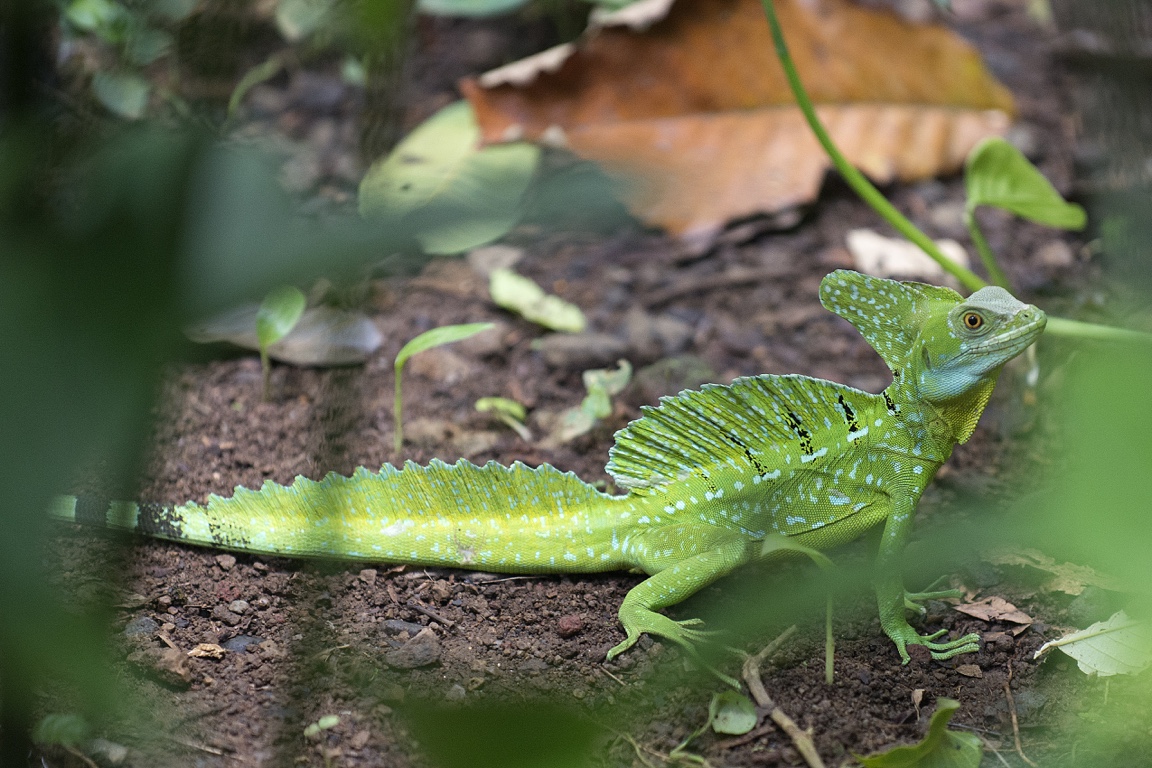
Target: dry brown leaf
1068,578
207,651
994,609
695,114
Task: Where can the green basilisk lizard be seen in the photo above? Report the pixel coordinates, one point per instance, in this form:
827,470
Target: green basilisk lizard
708,475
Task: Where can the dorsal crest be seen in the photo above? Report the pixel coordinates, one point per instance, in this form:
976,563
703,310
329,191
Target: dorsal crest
888,313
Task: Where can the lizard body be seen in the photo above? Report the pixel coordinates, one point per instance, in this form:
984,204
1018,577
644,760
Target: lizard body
708,475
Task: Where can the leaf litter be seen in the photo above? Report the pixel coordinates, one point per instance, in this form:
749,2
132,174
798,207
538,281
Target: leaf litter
685,104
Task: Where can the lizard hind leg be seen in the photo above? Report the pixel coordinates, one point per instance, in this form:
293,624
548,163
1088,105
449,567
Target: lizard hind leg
672,584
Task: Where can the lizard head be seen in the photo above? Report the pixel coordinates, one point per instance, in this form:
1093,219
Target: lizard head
958,350
943,344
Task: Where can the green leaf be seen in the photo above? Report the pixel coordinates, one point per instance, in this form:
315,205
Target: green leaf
507,411
941,748
122,93
502,405
997,174
520,295
89,15
278,314
296,19
732,712
472,8
453,193
425,341
145,44
1118,646
66,730
438,337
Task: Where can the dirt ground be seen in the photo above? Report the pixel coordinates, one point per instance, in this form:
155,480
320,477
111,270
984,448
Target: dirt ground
427,666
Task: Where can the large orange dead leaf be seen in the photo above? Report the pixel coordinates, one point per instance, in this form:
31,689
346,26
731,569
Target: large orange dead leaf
688,103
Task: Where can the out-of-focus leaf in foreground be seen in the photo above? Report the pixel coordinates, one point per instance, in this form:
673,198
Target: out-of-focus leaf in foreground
1118,646
455,194
940,748
688,104
495,735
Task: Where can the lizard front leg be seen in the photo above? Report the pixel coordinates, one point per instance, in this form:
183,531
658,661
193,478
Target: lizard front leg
675,581
892,599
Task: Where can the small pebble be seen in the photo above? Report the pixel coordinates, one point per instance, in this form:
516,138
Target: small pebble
569,626
240,643
143,625
238,606
227,562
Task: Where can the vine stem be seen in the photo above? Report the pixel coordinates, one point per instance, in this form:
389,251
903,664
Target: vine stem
857,180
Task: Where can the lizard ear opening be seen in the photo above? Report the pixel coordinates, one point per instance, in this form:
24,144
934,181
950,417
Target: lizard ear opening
887,313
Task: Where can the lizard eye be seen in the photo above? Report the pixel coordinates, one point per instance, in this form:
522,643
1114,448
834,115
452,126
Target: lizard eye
972,321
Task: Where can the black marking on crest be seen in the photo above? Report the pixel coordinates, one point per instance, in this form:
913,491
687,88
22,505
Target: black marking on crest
92,510
724,433
158,520
804,435
892,408
849,415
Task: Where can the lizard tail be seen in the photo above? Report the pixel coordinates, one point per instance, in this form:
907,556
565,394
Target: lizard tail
511,519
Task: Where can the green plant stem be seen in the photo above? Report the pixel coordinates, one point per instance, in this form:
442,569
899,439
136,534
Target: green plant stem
1059,326
982,247
398,415
266,374
829,640
859,183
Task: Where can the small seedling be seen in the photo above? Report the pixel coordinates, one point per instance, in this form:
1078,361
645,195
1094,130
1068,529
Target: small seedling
602,385
508,412
323,724
278,315
434,338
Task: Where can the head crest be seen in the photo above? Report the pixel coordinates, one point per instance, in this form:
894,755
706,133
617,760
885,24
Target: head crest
887,313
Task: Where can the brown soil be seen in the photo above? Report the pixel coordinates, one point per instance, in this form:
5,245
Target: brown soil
419,662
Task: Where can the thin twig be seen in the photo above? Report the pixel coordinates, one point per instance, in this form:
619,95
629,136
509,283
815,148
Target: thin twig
613,676
1015,722
800,738
78,754
993,750
430,614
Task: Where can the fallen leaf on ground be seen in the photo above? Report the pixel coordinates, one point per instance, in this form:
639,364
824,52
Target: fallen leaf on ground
520,295
1118,646
687,104
994,609
1069,578
880,256
322,335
